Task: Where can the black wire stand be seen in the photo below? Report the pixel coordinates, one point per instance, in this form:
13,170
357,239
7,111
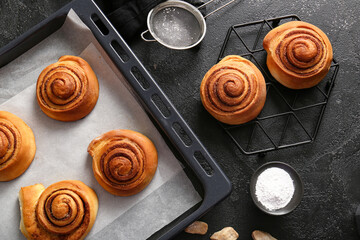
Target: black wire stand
289,117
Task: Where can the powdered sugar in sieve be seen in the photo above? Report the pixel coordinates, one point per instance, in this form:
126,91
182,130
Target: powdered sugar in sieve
176,26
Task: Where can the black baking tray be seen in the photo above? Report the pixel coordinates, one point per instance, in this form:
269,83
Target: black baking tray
202,170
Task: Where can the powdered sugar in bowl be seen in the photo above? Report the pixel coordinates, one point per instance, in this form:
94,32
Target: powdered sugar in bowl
276,188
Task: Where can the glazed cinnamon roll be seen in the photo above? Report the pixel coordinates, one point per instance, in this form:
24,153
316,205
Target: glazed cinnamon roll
124,161
64,210
17,146
68,89
299,54
233,91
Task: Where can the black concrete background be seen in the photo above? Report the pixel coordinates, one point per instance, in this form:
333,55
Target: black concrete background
329,167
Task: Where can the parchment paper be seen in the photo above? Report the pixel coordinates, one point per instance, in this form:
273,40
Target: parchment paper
62,147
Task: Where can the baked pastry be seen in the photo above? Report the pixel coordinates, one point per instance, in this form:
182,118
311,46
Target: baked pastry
233,91
124,161
17,146
64,210
68,89
299,54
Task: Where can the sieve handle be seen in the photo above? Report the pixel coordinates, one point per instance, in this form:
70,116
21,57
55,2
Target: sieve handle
146,39
219,8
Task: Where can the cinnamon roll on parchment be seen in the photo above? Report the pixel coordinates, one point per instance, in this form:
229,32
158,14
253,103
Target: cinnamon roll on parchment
17,146
64,210
299,54
68,89
233,91
124,161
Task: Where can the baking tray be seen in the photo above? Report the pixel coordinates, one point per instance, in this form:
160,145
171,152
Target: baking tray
202,170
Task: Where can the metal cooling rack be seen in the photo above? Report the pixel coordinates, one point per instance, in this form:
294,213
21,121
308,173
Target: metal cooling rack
289,117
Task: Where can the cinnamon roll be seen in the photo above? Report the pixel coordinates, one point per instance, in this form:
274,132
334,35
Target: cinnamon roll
124,161
17,146
68,89
233,91
299,54
64,210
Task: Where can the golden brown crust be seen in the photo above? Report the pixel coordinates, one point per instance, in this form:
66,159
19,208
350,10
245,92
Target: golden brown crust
64,210
17,146
28,197
234,90
124,161
299,54
68,89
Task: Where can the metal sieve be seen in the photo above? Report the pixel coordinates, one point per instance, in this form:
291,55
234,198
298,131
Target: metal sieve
177,24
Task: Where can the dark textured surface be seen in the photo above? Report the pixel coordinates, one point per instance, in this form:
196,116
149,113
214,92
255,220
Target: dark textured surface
329,167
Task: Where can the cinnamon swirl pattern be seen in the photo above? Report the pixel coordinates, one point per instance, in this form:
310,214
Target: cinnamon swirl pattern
299,54
124,161
64,210
17,146
68,89
233,91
